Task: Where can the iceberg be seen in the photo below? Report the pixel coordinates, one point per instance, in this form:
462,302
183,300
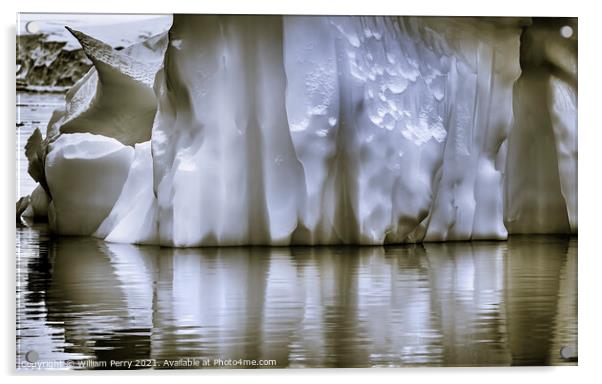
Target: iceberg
541,190
309,130
133,216
85,175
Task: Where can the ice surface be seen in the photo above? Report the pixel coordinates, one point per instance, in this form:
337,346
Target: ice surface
133,217
38,204
541,190
319,130
85,175
116,98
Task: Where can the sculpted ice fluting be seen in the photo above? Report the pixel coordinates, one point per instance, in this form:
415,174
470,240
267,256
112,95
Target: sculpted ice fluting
277,130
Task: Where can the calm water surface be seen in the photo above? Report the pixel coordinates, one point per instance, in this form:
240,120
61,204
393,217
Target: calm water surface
82,302
33,111
462,303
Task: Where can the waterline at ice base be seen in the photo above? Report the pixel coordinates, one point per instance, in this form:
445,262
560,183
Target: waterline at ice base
309,130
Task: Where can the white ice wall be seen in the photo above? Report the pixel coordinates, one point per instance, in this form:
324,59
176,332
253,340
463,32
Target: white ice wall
225,168
325,130
397,112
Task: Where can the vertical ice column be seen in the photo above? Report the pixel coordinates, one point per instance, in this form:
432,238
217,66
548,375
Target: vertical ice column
224,164
484,65
541,187
312,105
392,118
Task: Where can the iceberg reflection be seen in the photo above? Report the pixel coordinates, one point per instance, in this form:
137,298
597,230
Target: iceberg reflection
469,303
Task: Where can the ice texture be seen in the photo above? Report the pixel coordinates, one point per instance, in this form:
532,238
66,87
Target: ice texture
116,99
271,130
85,174
133,216
541,190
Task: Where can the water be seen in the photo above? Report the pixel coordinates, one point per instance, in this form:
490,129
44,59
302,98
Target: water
33,111
462,303
83,303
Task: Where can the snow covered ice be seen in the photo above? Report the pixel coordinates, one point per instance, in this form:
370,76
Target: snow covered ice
239,130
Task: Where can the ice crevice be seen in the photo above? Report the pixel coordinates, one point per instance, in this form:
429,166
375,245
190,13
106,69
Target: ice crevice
270,130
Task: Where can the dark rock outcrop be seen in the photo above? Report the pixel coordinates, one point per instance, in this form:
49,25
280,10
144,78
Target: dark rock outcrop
48,63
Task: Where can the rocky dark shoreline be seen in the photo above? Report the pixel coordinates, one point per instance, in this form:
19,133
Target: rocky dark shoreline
47,66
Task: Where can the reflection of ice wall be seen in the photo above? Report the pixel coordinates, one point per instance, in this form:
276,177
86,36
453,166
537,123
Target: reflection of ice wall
466,304
278,130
